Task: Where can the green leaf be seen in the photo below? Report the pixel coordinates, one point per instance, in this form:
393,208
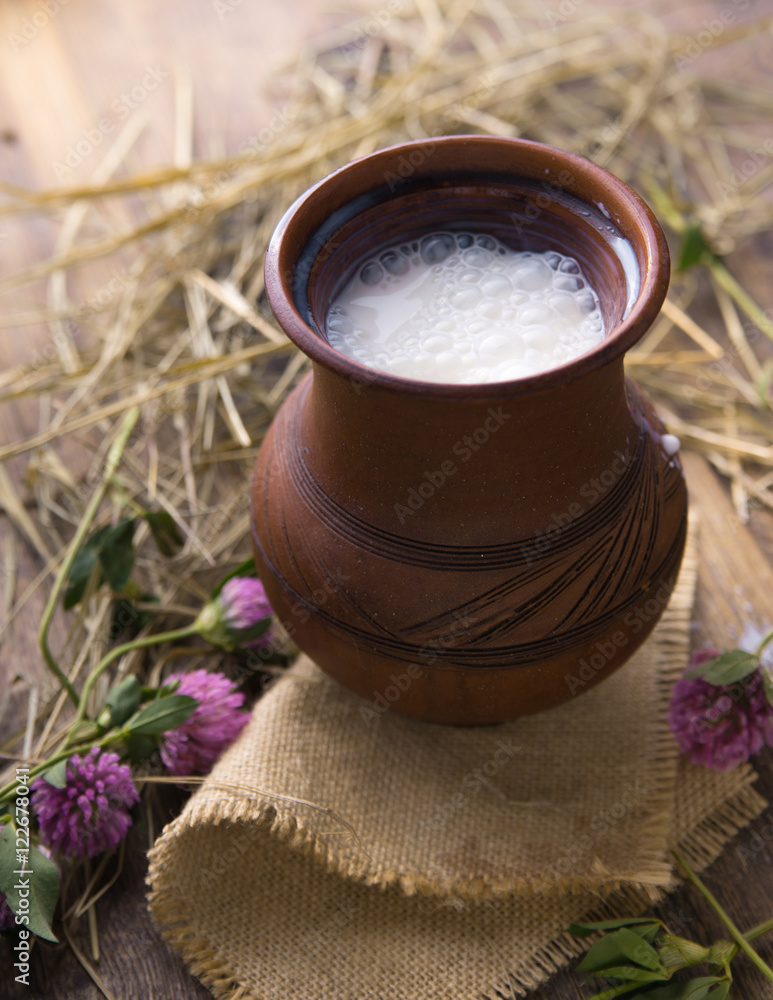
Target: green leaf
721,954
127,616
727,668
43,876
617,949
84,731
247,568
767,683
586,929
694,248
113,548
679,953
165,532
123,700
256,631
140,747
82,568
161,715
56,775
691,989
632,973
618,991
603,953
116,554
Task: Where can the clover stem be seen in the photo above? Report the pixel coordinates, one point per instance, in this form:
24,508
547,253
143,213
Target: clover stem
763,643
111,464
734,932
111,737
759,930
104,663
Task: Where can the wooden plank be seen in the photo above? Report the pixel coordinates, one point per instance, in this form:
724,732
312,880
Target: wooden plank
735,579
70,75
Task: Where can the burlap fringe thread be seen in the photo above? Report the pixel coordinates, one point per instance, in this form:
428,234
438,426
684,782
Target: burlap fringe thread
694,808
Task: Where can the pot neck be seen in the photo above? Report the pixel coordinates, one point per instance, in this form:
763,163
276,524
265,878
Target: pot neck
425,466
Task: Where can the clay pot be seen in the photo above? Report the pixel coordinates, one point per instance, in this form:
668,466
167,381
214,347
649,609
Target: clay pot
468,553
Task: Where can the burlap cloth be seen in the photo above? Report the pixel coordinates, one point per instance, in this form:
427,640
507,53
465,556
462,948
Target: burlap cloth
341,852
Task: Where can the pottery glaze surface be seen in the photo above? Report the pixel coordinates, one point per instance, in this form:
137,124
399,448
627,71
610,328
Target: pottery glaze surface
468,553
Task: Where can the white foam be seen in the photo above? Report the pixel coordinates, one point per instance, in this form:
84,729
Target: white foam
464,308
627,258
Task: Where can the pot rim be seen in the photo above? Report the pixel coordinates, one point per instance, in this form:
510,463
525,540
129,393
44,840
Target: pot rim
631,214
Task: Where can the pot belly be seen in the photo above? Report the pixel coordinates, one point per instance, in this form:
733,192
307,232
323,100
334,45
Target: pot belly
463,634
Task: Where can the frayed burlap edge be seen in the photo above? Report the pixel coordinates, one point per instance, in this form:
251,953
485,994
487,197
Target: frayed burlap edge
700,847
652,873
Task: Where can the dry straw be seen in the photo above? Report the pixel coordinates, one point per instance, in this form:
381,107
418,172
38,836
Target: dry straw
177,323
184,333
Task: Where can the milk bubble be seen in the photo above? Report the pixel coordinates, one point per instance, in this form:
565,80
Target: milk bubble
463,307
437,247
466,299
395,263
567,282
478,257
498,285
534,277
371,274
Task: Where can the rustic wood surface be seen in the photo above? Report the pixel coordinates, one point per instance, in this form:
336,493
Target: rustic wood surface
67,73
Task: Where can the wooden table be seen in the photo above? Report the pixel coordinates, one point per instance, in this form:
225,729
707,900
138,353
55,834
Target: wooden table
60,73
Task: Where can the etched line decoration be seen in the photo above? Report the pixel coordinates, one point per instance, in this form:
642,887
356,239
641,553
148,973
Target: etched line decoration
596,569
414,552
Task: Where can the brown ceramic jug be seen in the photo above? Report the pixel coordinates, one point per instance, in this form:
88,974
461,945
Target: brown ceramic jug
468,553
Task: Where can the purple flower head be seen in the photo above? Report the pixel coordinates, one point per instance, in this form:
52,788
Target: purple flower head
91,813
239,614
720,726
194,746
